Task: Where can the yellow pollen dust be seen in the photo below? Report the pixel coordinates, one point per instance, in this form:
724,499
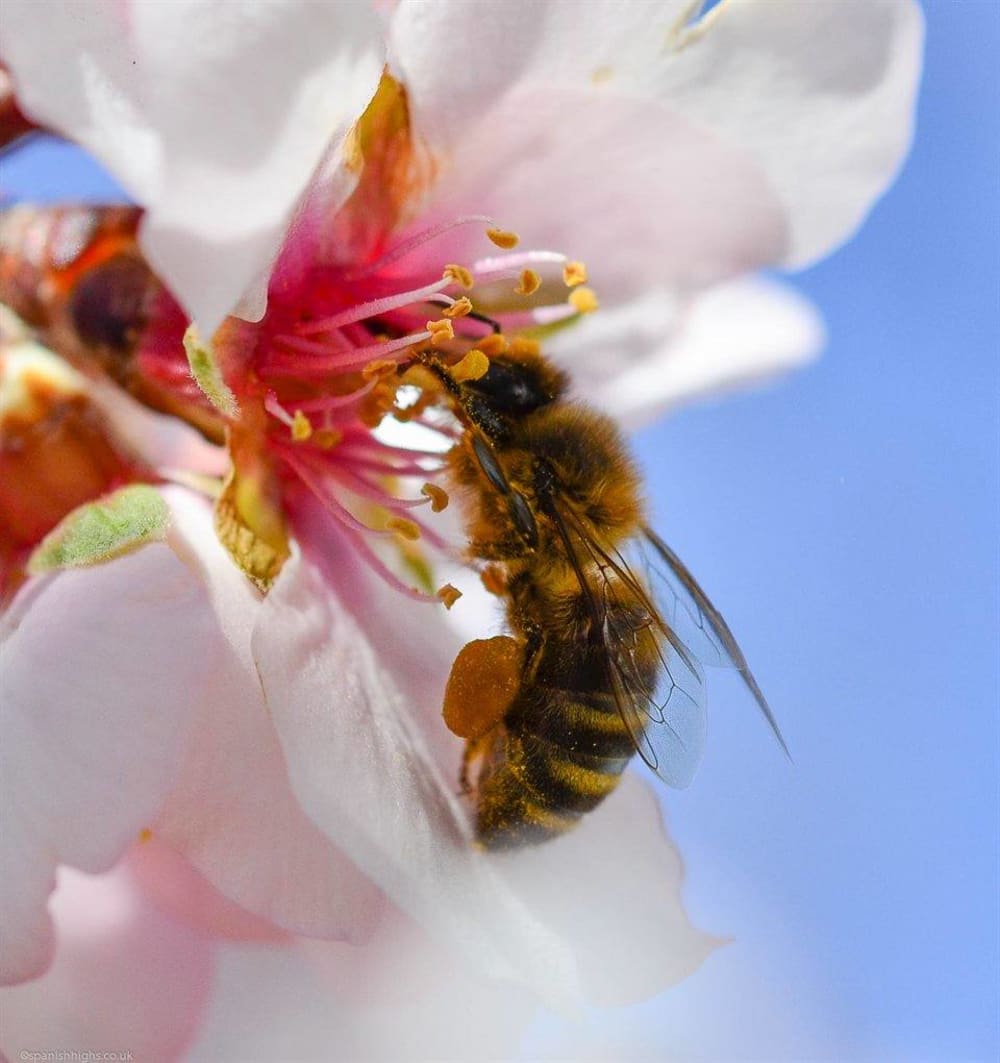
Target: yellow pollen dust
440,330
460,275
404,528
522,345
493,344
449,595
327,438
459,308
583,300
504,239
530,282
302,427
438,496
145,835
382,368
473,366
574,273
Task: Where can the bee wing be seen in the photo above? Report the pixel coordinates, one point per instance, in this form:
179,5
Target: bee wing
686,608
666,719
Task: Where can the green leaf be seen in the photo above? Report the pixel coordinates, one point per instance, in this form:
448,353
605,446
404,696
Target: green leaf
98,531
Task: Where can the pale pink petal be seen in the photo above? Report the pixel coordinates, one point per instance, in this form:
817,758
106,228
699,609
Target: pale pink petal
400,997
214,116
126,977
612,889
659,152
362,768
178,889
100,668
640,359
232,812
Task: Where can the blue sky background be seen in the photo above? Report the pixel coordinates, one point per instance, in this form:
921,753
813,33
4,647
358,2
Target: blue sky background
847,522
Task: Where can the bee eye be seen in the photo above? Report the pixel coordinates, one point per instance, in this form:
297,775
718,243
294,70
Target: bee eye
511,388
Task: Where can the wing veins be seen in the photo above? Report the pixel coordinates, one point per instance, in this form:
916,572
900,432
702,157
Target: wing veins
719,628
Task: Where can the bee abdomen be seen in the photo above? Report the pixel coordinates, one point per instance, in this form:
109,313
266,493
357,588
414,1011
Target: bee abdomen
553,768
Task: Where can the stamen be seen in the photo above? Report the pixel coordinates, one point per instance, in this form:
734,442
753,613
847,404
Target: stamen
474,366
583,300
494,344
275,409
459,308
440,330
356,358
379,369
574,273
415,241
437,496
336,402
503,238
530,282
373,308
459,275
449,595
407,529
302,427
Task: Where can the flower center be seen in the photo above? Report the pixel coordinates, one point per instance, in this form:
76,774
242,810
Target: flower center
337,364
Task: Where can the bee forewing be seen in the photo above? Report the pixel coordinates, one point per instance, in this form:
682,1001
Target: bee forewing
686,608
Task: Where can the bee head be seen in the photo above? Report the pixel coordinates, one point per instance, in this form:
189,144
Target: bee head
519,383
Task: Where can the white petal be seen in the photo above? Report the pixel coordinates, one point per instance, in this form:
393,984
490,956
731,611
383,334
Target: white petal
126,976
214,116
663,155
362,770
232,812
612,888
637,360
99,668
400,997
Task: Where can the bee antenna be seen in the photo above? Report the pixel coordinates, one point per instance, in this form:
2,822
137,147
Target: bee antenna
483,319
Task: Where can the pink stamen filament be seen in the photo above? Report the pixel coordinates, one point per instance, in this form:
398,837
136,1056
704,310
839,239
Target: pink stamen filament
374,308
418,240
355,358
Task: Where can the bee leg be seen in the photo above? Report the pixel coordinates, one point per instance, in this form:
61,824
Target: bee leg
475,748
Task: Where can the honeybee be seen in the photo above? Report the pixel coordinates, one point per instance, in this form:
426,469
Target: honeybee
608,628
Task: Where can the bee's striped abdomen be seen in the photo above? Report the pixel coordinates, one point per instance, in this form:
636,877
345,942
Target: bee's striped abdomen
559,754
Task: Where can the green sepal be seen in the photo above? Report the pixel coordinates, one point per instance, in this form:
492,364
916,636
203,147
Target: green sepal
207,374
99,531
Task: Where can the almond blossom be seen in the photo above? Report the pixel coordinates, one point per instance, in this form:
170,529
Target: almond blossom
326,189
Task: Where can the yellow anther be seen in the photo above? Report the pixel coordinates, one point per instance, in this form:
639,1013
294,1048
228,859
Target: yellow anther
493,344
459,275
473,366
493,580
382,368
503,239
145,834
302,427
449,595
523,346
530,282
327,438
459,308
437,495
574,273
403,527
583,300
440,330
